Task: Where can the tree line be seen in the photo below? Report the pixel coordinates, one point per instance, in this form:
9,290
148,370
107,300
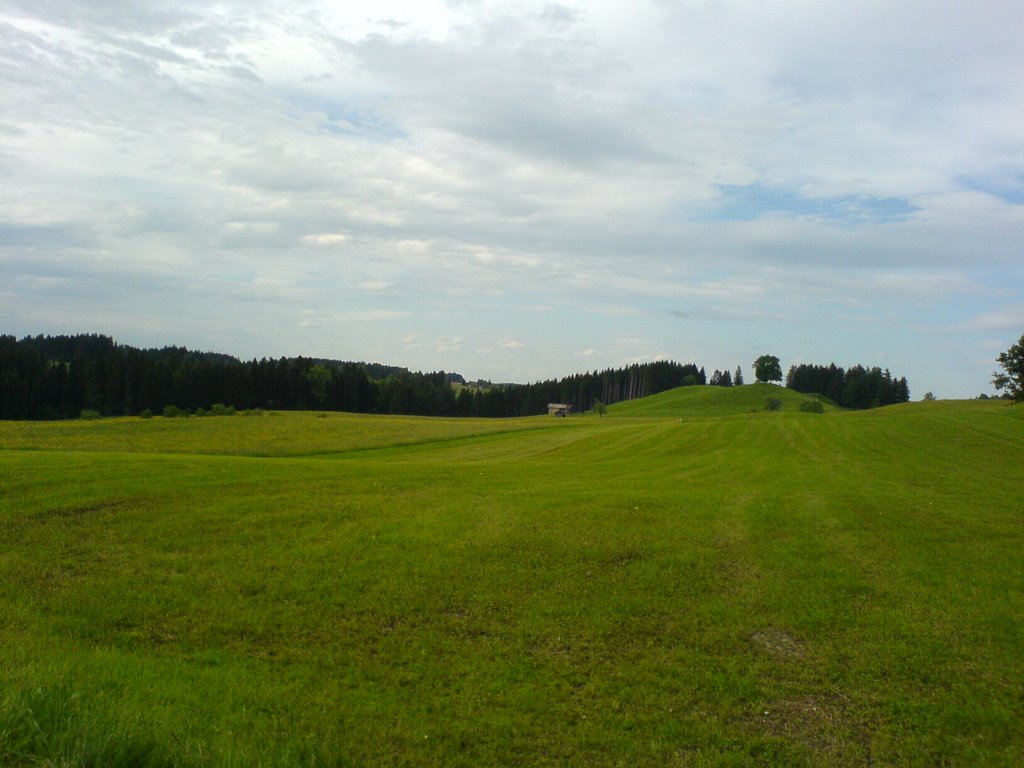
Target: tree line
856,387
57,377
580,391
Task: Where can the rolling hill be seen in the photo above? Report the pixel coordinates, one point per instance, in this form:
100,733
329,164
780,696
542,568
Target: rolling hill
702,402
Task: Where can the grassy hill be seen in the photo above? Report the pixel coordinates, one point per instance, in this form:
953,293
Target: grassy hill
713,401
687,588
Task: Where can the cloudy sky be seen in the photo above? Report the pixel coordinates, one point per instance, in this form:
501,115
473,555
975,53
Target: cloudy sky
521,190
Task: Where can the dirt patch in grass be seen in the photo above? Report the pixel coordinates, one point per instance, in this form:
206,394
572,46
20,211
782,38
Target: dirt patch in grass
81,510
825,725
778,644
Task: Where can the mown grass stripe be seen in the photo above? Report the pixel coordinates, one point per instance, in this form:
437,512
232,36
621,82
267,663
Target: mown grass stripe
754,588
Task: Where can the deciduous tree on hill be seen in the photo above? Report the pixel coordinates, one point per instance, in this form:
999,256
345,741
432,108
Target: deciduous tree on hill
1012,379
767,368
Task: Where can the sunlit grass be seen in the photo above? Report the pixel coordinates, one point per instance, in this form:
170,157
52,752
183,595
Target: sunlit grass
701,402
271,433
743,588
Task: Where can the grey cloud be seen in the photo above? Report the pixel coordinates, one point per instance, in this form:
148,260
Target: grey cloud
147,16
530,156
142,49
213,38
18,235
536,98
243,73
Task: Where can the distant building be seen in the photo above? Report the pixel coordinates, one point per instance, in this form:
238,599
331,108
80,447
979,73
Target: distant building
558,409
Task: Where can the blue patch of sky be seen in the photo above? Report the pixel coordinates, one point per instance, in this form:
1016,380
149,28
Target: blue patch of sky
1008,187
25,235
348,119
745,203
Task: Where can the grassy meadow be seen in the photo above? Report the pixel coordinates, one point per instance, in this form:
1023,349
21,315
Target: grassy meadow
688,580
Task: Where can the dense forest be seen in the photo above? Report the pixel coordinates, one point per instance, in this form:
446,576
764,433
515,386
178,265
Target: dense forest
57,377
856,387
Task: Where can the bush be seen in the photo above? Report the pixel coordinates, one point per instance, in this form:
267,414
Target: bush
146,414
812,406
219,409
172,412
89,414
773,404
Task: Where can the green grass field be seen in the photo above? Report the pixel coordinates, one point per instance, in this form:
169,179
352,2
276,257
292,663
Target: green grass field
688,581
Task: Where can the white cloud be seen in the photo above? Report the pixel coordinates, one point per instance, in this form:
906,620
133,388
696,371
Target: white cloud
326,239
1008,318
992,345
448,344
549,175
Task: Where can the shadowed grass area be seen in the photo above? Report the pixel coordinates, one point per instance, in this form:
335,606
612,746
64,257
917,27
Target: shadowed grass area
742,588
56,725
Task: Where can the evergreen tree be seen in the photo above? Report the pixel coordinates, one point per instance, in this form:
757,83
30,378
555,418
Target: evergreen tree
720,379
59,377
859,387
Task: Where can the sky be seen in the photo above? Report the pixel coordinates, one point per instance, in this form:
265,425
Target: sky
518,191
